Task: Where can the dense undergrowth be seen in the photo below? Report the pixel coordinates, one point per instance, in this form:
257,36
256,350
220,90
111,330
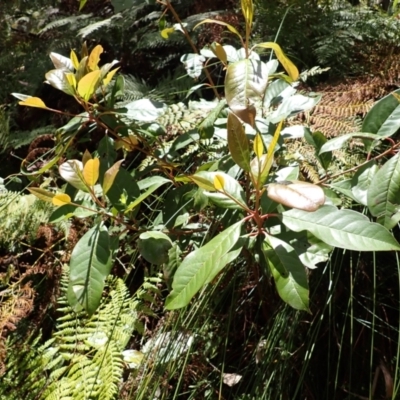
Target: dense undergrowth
199,224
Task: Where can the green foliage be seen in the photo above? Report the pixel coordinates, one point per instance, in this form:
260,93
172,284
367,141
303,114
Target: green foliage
189,190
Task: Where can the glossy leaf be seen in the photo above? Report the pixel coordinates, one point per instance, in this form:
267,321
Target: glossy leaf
74,59
362,180
248,11
338,142
219,182
91,171
290,68
202,266
61,62
58,79
346,229
245,84
297,194
384,117
88,84
258,145
33,102
289,273
238,143
145,110
94,58
71,172
220,52
42,194
206,127
109,76
110,175
61,199
233,196
154,247
89,267
383,196
156,182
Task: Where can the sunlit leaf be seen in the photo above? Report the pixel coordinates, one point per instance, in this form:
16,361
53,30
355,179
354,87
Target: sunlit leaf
219,182
245,84
91,171
165,33
94,58
42,194
258,145
61,199
297,194
109,76
110,175
290,68
71,172
88,84
58,79
220,52
233,196
61,62
33,102
74,59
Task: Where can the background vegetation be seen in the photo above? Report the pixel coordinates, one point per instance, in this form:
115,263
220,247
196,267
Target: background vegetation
237,339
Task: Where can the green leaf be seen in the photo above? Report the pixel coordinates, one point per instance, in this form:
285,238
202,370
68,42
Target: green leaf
90,265
338,142
384,117
346,229
202,266
154,247
206,127
317,140
245,84
238,143
232,190
310,249
361,181
383,196
123,190
156,182
288,272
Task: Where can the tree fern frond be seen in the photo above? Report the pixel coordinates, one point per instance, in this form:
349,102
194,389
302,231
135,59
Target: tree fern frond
64,21
87,30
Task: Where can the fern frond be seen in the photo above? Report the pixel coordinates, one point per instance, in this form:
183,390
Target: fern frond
64,21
